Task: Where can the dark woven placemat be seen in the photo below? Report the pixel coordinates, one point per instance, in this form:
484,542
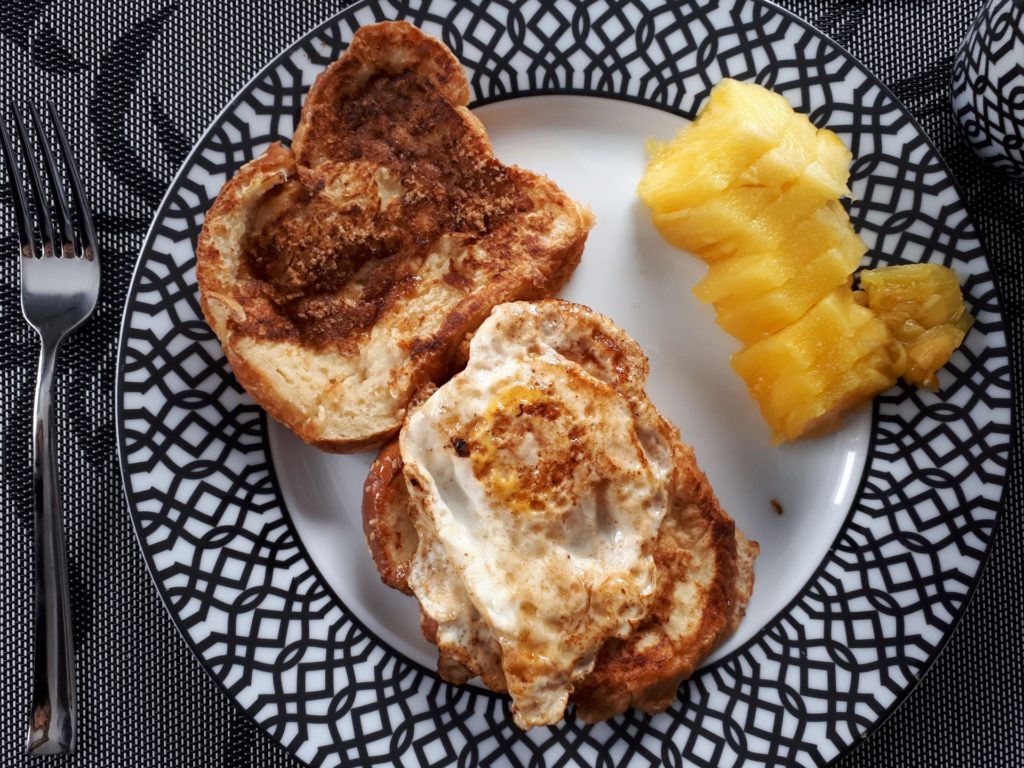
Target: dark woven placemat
137,83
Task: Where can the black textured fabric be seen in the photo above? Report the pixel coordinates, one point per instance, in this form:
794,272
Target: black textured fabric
137,83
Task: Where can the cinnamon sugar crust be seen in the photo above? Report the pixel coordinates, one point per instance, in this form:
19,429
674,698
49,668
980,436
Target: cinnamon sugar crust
341,274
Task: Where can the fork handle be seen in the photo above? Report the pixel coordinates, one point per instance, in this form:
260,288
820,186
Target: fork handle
52,725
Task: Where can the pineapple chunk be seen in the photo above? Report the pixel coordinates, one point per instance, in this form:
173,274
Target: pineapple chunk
737,280
930,352
802,281
924,309
834,157
805,150
753,188
815,187
804,375
795,409
782,164
742,278
912,298
708,155
827,225
759,294
732,216
744,220
834,333
750,320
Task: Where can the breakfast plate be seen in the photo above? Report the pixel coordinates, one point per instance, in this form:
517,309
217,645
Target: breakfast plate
872,537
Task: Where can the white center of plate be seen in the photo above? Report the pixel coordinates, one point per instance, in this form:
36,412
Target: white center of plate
594,149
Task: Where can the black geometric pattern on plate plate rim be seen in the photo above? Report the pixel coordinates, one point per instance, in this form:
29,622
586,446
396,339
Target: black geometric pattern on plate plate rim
619,731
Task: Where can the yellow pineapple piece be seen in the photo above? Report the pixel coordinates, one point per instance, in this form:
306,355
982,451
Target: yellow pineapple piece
805,216
923,306
805,374
753,189
739,123
758,318
731,215
655,149
742,278
865,378
912,298
783,163
745,220
835,332
815,187
834,157
752,319
796,407
804,150
734,281
929,353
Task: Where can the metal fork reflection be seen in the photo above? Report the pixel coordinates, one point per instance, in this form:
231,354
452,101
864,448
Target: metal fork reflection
60,282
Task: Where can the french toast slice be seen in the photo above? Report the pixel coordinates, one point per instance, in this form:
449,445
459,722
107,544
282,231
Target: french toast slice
341,274
703,563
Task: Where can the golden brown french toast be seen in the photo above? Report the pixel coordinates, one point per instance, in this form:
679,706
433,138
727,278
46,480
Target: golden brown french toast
528,461
341,274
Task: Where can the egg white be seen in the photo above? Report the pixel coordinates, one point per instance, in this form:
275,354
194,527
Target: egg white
537,502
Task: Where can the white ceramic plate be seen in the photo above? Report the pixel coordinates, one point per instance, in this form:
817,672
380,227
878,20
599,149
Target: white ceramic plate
255,541
631,274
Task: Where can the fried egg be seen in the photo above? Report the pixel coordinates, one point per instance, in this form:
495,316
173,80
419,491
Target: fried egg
539,477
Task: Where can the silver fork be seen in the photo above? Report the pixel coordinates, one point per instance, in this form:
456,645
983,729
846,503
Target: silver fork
60,280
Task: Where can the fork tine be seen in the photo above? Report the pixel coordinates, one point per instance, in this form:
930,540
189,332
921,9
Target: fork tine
90,247
25,231
67,225
42,207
